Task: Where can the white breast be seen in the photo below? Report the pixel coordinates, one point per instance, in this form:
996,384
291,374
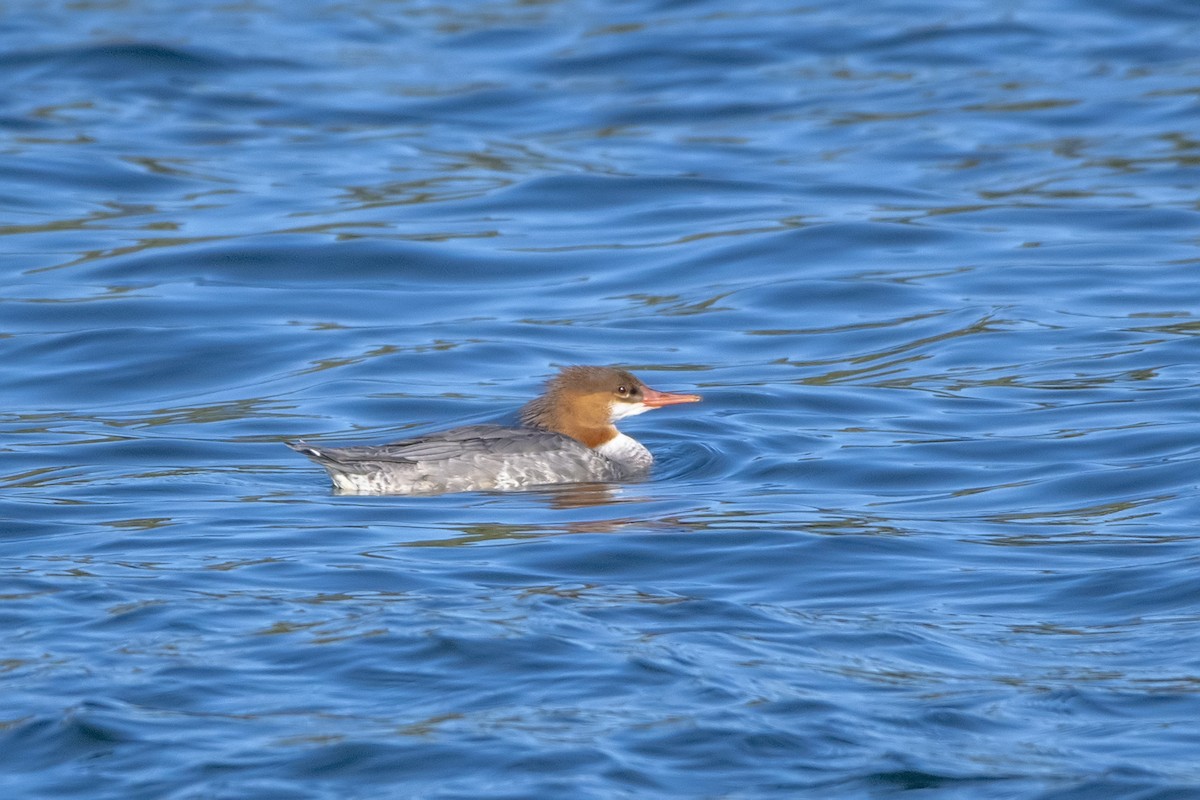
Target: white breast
626,451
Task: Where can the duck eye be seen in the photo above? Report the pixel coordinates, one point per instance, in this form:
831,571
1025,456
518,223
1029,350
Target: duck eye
623,390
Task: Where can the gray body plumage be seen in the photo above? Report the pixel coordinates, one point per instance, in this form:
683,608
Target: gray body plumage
477,457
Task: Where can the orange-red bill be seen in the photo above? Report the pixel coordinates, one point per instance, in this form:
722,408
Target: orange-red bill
655,399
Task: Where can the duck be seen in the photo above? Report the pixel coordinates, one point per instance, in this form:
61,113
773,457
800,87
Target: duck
568,434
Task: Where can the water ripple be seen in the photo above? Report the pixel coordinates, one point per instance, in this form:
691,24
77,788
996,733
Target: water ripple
930,530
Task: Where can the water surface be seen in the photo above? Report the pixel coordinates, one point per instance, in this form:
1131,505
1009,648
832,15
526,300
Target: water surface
931,533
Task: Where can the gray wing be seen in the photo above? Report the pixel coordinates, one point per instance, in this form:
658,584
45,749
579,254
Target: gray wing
476,440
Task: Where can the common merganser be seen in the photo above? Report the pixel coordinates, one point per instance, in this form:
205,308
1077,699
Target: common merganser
565,436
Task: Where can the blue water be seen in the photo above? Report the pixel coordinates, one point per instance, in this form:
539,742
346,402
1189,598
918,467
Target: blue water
934,266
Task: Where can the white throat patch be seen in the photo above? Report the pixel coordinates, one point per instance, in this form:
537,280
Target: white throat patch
623,410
